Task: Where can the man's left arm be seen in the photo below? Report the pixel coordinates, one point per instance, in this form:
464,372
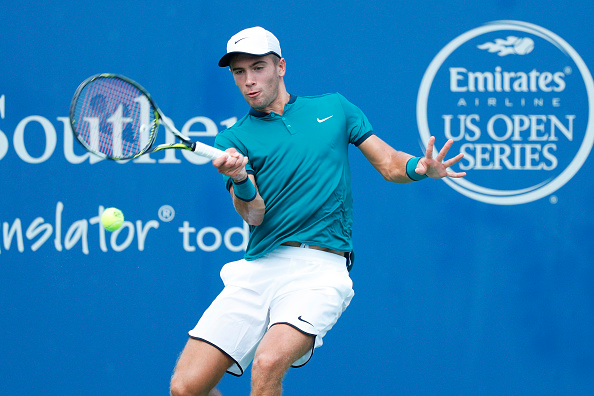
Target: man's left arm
393,164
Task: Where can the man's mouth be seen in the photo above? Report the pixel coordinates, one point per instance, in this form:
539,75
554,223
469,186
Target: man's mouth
253,94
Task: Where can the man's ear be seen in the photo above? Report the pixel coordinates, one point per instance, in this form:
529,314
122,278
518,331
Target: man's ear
282,67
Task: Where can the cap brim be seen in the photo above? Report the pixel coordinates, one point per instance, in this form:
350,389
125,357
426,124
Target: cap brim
226,59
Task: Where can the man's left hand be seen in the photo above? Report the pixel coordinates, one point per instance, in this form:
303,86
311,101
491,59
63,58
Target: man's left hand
436,168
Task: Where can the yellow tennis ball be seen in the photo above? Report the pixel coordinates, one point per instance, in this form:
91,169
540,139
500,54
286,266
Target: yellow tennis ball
112,219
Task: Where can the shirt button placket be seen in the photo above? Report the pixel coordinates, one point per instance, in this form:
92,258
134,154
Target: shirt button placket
287,125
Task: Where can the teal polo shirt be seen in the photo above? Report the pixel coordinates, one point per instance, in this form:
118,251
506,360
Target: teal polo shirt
300,162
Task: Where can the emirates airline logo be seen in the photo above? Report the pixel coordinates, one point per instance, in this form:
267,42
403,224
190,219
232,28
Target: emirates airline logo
518,101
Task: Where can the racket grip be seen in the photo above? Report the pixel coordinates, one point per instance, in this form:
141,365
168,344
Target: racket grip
204,150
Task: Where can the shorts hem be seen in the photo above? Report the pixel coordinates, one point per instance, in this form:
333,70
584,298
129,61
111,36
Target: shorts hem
226,354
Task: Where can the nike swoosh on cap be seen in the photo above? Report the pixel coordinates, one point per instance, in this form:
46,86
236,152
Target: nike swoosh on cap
240,40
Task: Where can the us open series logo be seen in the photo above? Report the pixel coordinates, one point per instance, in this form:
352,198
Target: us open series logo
518,101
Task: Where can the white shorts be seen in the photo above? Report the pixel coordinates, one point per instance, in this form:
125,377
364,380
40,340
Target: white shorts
304,288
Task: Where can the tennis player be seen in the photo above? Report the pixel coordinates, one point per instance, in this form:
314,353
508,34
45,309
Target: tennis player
288,175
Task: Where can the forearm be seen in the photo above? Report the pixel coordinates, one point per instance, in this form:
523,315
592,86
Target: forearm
397,166
244,191
393,169
251,209
390,163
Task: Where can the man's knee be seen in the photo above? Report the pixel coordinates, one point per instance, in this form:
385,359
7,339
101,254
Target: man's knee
270,363
179,387
281,346
198,370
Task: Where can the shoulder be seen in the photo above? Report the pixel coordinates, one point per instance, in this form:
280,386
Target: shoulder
240,125
330,101
322,97
230,137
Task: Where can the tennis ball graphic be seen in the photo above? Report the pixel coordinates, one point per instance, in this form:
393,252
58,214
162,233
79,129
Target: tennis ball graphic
523,46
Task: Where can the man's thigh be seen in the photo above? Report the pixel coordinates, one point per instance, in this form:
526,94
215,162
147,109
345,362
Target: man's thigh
200,366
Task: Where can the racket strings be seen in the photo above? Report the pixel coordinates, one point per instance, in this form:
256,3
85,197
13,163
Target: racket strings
92,128
113,117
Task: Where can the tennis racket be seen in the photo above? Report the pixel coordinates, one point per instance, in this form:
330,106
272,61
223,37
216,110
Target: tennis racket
115,118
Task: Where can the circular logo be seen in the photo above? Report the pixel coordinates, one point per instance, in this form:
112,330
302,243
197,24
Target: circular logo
518,101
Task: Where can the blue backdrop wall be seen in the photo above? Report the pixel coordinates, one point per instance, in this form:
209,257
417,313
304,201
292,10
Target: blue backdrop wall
479,287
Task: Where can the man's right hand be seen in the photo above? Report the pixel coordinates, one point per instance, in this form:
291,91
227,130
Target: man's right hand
232,165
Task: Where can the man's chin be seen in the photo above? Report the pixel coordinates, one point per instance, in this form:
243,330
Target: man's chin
256,105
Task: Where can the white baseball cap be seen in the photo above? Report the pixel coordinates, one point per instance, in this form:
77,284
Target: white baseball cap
254,41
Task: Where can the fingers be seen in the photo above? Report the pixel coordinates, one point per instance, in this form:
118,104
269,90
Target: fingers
218,162
444,150
421,168
429,152
452,161
232,164
455,175
437,167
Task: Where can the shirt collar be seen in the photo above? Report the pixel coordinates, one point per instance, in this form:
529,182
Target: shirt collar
260,114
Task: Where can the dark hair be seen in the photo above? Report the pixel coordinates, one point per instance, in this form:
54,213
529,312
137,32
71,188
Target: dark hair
275,59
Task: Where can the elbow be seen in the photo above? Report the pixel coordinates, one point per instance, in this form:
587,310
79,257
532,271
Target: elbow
254,216
390,174
387,176
252,212
395,176
254,220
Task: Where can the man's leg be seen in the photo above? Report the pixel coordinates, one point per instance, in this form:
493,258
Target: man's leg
281,346
199,369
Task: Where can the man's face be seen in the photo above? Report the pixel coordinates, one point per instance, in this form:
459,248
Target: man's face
258,79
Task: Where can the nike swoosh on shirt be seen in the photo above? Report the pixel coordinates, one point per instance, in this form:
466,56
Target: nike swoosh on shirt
324,119
304,321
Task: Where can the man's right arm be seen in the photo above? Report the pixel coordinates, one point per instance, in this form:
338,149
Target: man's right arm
251,211
250,207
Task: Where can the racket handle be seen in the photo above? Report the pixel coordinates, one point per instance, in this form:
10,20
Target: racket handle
204,150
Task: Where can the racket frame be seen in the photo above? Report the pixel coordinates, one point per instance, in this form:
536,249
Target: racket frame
185,143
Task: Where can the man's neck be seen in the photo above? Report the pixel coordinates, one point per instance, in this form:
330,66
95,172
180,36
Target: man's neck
278,106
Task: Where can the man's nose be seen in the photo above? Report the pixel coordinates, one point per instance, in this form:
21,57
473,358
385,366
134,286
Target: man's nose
250,78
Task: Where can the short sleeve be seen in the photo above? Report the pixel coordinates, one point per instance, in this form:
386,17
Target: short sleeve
358,126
